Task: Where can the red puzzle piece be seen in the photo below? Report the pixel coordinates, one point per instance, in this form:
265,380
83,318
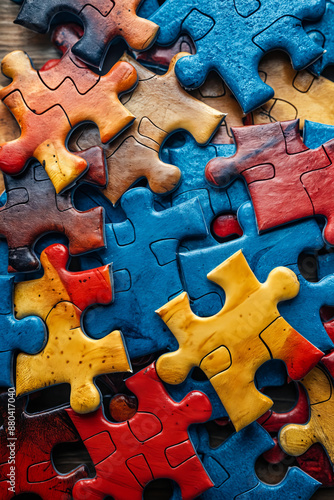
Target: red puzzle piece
36,435
286,180
152,444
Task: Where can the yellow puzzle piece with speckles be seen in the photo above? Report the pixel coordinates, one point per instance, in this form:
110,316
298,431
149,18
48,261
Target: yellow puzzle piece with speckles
296,439
71,357
231,345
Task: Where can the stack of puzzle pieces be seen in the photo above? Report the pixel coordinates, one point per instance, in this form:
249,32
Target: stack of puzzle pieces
171,175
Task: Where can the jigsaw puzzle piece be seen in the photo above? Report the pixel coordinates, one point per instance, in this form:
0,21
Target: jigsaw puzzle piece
152,278
153,444
261,29
321,32
231,345
232,468
103,21
298,94
147,8
71,357
36,436
296,439
315,134
315,462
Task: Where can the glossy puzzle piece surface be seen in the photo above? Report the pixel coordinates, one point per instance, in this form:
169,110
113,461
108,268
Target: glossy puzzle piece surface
232,468
298,94
103,21
153,444
145,270
82,288
321,32
84,96
161,107
35,437
230,346
249,30
27,335
71,357
278,167
296,439
33,209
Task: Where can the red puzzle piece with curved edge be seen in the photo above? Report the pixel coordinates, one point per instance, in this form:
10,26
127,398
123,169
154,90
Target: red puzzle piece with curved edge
153,444
225,226
35,437
279,168
64,94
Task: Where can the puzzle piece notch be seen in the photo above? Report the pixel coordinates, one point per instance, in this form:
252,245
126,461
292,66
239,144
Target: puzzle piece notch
103,21
152,444
253,333
36,436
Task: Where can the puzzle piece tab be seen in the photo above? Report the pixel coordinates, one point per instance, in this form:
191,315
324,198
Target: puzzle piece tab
103,21
230,346
322,33
68,101
248,30
278,167
153,444
36,435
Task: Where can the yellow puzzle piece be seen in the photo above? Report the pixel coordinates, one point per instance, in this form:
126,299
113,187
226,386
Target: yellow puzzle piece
230,346
71,357
296,439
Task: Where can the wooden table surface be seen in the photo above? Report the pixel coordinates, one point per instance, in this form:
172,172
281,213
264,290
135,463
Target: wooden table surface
39,48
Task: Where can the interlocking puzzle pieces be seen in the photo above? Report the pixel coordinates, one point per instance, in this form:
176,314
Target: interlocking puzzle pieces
153,444
103,21
161,107
298,94
231,467
231,345
36,435
248,30
278,167
143,252
27,335
321,32
296,439
33,208
68,101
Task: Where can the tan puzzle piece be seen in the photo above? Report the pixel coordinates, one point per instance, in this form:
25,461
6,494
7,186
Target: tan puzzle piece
161,106
71,357
230,346
296,439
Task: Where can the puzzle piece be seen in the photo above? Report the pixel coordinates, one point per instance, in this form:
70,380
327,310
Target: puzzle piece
249,31
82,288
33,208
315,134
36,435
103,21
68,101
27,335
315,462
231,466
278,167
321,32
143,283
147,8
161,107
298,94
153,444
71,357
296,439
230,346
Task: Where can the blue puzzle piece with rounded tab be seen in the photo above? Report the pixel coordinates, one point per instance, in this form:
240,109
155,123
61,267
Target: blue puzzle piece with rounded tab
280,247
143,253
321,32
231,467
232,36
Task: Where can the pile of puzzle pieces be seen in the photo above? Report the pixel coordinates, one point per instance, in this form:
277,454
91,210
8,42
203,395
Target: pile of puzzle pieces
171,175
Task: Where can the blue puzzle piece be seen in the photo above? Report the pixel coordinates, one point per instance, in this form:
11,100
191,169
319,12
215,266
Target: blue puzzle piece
27,335
325,264
143,254
272,373
231,467
87,197
147,8
316,134
280,247
231,37
321,32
